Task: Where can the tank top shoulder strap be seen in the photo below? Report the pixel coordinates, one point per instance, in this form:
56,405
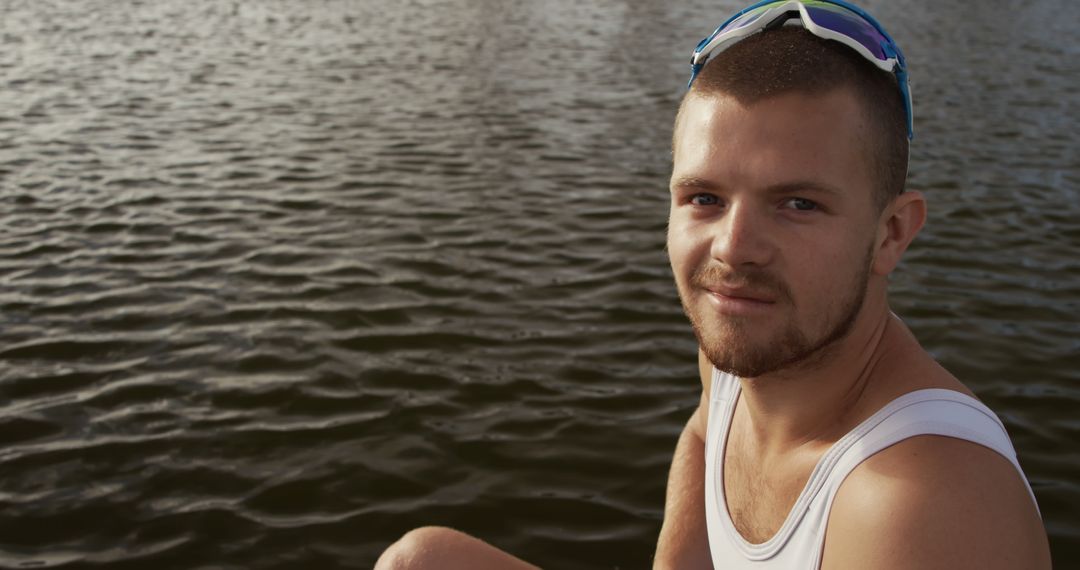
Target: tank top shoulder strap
923,412
724,386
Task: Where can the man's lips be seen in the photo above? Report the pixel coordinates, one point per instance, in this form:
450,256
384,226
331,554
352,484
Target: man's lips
741,294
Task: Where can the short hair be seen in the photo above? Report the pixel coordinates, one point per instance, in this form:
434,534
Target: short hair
791,59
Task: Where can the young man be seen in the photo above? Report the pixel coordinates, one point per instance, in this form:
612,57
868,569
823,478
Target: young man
826,436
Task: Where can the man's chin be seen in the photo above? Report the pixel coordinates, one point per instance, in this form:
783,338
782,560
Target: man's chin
744,367
752,349
737,355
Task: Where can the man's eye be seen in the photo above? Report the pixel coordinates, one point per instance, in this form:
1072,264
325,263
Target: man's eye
704,200
802,204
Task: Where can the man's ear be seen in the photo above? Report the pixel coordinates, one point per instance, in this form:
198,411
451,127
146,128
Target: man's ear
899,223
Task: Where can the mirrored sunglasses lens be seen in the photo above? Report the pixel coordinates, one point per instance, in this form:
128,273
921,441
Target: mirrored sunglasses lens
850,24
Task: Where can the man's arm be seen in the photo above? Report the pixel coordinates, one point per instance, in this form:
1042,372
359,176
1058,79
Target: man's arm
931,503
684,542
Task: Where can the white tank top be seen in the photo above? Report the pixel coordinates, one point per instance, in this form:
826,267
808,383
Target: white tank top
798,544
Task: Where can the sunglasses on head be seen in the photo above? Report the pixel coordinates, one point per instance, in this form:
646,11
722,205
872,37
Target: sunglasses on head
829,19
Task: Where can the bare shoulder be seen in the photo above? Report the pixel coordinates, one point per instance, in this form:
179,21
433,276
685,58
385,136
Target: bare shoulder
935,502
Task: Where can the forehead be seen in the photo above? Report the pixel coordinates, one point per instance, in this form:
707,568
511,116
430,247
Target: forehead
794,136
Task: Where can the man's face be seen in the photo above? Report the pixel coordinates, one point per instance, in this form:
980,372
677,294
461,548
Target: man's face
772,226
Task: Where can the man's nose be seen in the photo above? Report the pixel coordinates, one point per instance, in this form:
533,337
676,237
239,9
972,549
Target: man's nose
742,236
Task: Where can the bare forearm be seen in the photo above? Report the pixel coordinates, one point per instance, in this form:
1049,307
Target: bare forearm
684,542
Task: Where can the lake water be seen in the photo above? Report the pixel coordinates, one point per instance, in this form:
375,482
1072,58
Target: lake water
283,279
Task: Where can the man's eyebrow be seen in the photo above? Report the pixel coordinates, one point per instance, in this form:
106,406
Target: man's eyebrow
694,183
797,186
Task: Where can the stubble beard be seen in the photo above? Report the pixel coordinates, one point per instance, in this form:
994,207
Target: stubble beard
732,350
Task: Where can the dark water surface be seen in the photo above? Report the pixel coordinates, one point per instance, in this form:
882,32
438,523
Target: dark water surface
282,279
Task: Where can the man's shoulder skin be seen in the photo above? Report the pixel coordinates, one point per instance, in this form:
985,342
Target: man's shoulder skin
935,502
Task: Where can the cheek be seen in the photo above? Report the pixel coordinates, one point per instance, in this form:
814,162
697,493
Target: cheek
684,249
833,273
677,258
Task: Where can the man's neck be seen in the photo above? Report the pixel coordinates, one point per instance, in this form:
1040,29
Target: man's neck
820,401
